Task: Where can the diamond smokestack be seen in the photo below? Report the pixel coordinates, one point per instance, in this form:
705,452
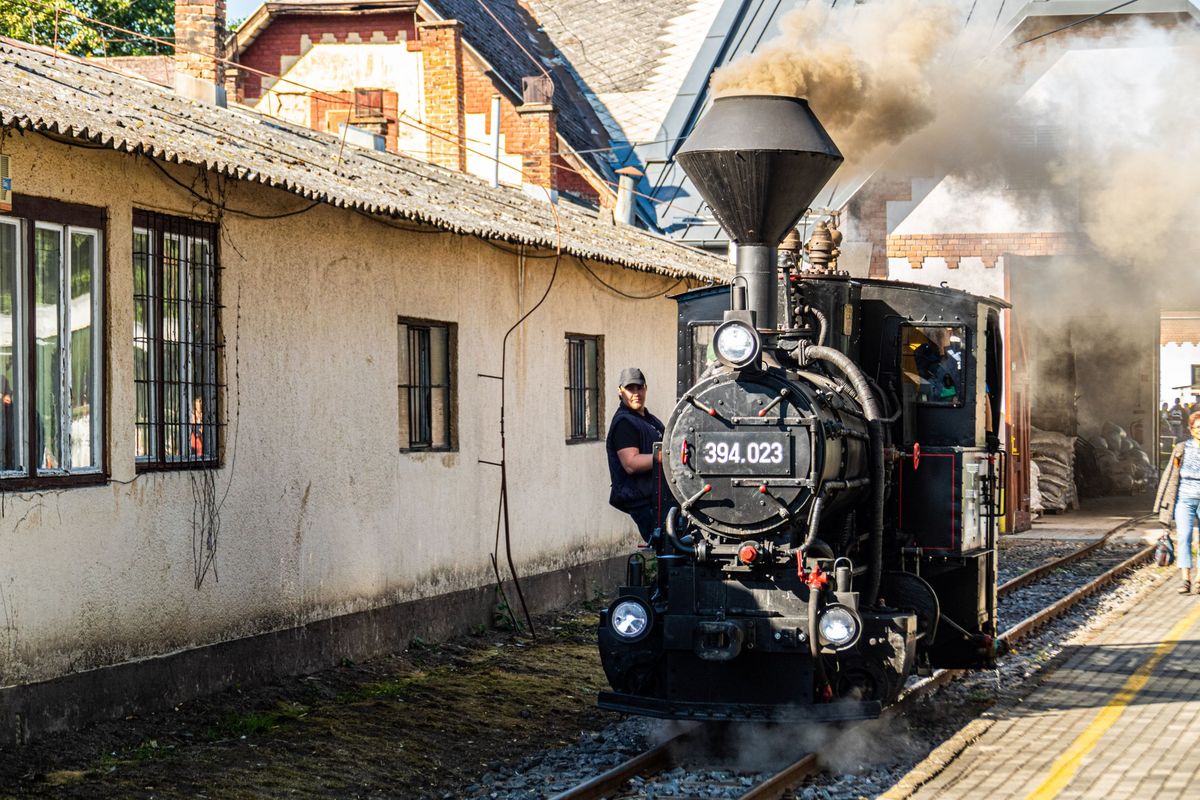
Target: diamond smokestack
759,160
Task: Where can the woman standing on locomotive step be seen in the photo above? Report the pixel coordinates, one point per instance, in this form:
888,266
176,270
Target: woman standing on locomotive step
1178,498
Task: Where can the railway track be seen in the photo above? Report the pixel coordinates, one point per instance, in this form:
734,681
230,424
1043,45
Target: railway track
673,753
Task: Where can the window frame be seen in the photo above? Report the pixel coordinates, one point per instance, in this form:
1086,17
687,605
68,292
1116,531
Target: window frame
367,111
30,214
160,227
909,391
451,405
597,377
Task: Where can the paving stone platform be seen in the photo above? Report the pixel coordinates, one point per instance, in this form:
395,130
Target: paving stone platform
1120,716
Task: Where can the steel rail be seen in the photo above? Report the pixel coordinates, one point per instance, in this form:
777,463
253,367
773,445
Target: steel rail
664,756
1055,609
786,779
1037,573
656,759
791,777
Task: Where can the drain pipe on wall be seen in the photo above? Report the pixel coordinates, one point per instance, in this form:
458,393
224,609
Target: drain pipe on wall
495,140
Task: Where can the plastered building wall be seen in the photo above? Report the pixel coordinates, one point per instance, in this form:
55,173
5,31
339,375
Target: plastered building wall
342,67
322,514
337,67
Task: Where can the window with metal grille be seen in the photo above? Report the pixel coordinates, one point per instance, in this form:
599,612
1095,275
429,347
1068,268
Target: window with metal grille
176,340
426,384
51,347
583,387
368,105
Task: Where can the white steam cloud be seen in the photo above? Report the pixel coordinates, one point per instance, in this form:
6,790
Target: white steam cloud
902,86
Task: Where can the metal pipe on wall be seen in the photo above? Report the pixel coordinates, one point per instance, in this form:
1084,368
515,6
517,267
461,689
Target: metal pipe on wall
495,140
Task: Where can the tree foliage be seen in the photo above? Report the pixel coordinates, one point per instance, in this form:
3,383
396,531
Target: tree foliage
54,23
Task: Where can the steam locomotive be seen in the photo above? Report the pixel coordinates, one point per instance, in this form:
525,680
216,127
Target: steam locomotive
833,459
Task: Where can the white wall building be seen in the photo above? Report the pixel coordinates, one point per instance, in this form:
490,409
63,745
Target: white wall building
290,418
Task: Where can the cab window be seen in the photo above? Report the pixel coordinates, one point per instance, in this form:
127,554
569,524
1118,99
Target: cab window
932,364
703,355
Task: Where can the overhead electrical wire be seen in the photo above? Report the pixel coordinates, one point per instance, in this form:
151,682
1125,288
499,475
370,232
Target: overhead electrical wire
621,292
439,133
1078,22
318,93
536,62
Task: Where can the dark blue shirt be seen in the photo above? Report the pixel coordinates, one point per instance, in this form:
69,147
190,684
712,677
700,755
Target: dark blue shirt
632,491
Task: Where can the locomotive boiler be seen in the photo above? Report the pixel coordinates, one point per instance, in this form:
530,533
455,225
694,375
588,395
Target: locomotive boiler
832,459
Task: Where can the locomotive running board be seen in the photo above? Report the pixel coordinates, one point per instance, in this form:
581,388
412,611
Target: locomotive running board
839,711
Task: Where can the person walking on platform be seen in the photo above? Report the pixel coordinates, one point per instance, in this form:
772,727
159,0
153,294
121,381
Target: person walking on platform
1178,498
1175,418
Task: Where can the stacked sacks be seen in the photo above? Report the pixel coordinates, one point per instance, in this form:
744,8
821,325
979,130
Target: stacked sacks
1035,492
1115,463
1054,455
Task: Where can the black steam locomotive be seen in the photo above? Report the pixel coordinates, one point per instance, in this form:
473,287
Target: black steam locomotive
834,462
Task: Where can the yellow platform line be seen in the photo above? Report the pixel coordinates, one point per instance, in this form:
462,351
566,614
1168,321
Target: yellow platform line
1066,765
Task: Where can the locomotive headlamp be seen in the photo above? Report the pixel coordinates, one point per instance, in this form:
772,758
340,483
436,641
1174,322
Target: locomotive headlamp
838,626
630,618
736,343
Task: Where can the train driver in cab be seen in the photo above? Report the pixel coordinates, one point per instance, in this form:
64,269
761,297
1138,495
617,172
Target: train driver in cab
636,477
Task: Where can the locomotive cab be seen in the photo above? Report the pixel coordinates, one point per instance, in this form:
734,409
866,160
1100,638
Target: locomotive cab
832,461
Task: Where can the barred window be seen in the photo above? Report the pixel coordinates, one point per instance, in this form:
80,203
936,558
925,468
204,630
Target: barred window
51,352
583,387
426,384
175,342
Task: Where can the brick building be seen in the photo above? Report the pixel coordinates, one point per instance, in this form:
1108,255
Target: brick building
448,82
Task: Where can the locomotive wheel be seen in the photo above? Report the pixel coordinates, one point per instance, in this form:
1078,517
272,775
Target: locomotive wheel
862,681
911,592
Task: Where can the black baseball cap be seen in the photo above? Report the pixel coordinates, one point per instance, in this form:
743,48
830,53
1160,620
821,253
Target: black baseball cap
631,375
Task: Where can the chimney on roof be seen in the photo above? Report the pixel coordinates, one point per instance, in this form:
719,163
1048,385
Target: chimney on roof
538,136
199,46
444,88
626,208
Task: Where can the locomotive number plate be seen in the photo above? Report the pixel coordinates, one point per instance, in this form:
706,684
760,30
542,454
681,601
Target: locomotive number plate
744,453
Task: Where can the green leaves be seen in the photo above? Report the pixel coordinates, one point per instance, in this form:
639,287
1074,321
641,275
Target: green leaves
60,24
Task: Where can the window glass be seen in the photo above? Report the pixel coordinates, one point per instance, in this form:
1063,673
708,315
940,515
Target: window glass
403,387
51,370
11,405
176,341
425,386
47,288
703,355
931,363
582,397
143,327
82,355
439,383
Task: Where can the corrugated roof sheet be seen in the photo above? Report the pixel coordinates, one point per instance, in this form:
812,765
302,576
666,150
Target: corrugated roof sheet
62,95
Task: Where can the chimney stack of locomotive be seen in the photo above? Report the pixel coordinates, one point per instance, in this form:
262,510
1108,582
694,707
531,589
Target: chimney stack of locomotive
758,161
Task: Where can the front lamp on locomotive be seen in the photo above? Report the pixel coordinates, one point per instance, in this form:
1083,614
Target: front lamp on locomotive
790,575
